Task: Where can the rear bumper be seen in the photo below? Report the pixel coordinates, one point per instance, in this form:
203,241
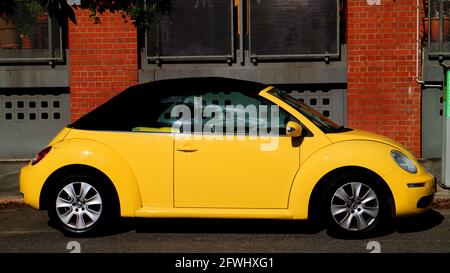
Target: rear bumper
30,185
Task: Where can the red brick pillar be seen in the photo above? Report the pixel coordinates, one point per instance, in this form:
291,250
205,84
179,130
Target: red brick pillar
103,60
383,96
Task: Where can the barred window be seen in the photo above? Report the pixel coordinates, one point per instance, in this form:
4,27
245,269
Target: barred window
437,27
195,29
294,28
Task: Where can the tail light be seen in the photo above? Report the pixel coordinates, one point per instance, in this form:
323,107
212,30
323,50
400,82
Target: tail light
41,155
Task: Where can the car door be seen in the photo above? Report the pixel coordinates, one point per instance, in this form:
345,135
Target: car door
241,167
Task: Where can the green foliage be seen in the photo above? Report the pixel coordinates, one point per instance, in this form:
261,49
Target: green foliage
140,14
34,7
27,29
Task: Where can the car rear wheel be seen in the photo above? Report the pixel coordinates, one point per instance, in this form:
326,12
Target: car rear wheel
79,205
356,206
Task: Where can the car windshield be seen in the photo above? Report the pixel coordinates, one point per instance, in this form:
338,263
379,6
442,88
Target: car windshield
324,123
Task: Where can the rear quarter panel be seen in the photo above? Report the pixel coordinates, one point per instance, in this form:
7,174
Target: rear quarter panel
90,153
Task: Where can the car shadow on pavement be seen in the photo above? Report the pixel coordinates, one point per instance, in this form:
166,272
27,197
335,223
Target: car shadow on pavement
418,223
413,224
241,226
195,225
119,227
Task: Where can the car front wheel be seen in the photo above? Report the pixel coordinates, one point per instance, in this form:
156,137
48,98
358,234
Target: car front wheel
356,207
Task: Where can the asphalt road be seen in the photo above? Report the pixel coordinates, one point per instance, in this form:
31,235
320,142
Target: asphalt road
23,229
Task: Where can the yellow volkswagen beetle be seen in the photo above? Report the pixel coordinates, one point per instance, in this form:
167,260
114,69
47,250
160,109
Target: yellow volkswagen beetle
221,148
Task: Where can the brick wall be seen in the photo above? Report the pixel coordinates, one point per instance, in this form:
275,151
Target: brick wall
383,96
103,60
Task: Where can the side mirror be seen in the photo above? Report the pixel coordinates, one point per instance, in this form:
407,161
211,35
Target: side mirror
293,129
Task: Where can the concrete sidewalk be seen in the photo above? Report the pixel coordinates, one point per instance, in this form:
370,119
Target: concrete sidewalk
9,181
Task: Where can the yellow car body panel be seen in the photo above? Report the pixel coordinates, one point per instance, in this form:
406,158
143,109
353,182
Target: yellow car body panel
282,214
149,157
32,180
405,198
239,173
371,155
87,152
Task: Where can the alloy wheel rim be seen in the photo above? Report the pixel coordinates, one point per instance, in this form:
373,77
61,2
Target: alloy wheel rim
79,205
354,206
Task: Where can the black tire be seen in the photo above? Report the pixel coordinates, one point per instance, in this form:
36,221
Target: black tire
358,216
83,215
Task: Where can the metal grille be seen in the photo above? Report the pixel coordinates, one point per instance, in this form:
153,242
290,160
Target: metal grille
30,108
195,29
330,102
297,28
432,122
28,122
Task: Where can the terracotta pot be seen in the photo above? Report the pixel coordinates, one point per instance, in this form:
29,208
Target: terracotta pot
435,28
7,33
42,18
27,43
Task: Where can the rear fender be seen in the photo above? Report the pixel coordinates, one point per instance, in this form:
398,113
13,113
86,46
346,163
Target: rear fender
101,157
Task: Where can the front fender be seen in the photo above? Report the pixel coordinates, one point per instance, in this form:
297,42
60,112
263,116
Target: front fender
99,156
371,155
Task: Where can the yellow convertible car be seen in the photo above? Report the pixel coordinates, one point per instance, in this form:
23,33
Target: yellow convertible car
221,148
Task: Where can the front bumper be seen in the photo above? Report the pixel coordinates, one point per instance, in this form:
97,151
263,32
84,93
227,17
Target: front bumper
413,193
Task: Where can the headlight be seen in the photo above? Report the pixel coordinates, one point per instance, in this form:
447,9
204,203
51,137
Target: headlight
403,161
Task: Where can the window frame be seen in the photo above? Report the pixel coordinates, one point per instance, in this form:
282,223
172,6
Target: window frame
52,58
229,58
440,42
256,57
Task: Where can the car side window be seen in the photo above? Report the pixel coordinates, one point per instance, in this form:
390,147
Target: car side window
236,113
162,119
164,111
135,110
